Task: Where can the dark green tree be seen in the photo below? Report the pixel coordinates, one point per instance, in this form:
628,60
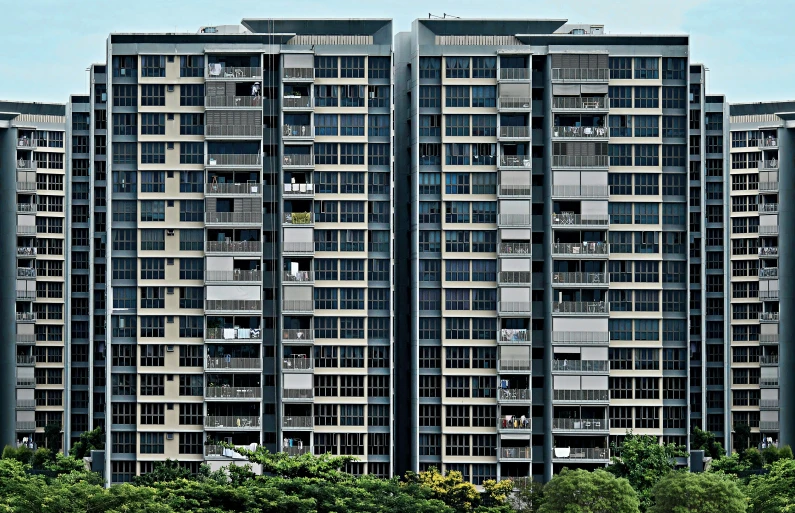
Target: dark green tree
580,491
706,441
88,441
773,492
742,433
53,437
683,491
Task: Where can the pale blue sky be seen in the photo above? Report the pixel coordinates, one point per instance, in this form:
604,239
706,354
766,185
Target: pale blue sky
46,45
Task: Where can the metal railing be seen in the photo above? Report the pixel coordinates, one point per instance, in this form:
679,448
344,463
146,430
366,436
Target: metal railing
514,307
515,190
768,251
26,359
514,74
768,272
580,248
307,334
26,425
514,335
299,189
515,161
241,159
233,334
769,208
26,294
768,294
514,131
221,362
515,248
235,275
581,395
219,450
295,363
27,143
580,307
233,131
769,359
298,277
298,305
298,247
216,71
581,74
768,382
580,366
580,337
768,229
26,186
579,161
514,102
514,219
515,365
26,164
580,424
768,186
296,102
239,246
770,142
514,422
578,278
516,453
298,218
246,305
227,421
298,422
301,160
298,393
514,394
768,316
26,229
299,73
26,207
26,382
297,131
296,451
233,218
578,103
579,131
768,425
233,101
768,339
26,272
580,191
768,164
768,403
588,453
514,277
572,219
26,338
26,404
224,392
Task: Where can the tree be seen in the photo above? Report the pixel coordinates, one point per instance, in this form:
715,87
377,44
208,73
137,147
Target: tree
88,441
733,464
528,497
683,491
580,491
773,492
706,441
451,488
772,454
163,471
643,461
742,433
53,436
497,492
305,465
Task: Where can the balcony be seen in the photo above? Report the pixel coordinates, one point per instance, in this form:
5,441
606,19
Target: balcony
234,102
768,229
26,230
234,160
768,360
515,161
26,425
298,161
768,208
764,339
236,422
578,103
580,192
579,132
26,295
580,74
520,249
27,273
516,453
294,363
581,366
514,335
26,404
514,132
768,295
236,275
515,191
577,250
236,218
299,278
768,317
298,336
514,277
26,382
233,334
768,425
232,364
26,208
511,365
768,382
514,74
579,161
514,103
767,251
26,165
768,273
299,190
298,248
580,396
297,422
768,186
295,74
518,220
233,131
224,452
572,220
514,395
296,451
768,404
586,455
578,279
514,423
597,338
233,305
769,142
26,187
297,132
514,308
768,165
25,142
227,392
24,339
305,306
580,425
241,246
597,308
298,394
296,102
218,71
26,360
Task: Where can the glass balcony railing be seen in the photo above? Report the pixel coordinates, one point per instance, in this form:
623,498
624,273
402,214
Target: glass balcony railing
768,273
242,246
580,307
298,393
222,188
580,337
514,335
580,74
768,316
580,396
574,453
243,305
289,131
302,160
296,102
580,279
523,161
514,132
580,191
580,366
514,307
516,453
229,392
579,132
572,219
515,190
514,102
294,363
768,208
580,424
514,248
579,161
580,248
298,305
298,218
235,422
514,422
514,219
293,422
212,218
223,363
508,395
515,365
301,335
234,275
219,71
298,74
578,103
298,247
514,277
243,159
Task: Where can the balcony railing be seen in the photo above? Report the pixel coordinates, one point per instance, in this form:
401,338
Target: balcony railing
580,74
578,103
219,450
515,248
26,382
768,272
767,295
298,305
233,218
515,161
768,403
304,218
514,132
522,395
26,272
579,161
235,275
768,251
514,102
26,186
577,278
26,404
768,186
299,277
29,165
514,277
26,359
768,425
768,229
513,422
576,396
768,164
768,339
26,425
303,335
299,73
768,382
289,131
580,337
516,453
298,247
514,307
27,143
222,363
293,421
240,246
296,451
26,229
233,334
301,160
515,365
768,316
769,359
580,307
218,71
26,338
296,102
299,189
580,248
236,422
233,131
233,101
580,424
588,453
515,190
241,159
580,191
571,219
514,219
770,142
769,208
28,295
294,363
23,208
583,366
224,392
514,335
579,131
514,74
245,305
298,393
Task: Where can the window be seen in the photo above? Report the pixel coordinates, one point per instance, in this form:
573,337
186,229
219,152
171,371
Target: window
379,67
191,268
153,181
378,126
123,124
647,97
153,239
647,68
484,67
191,239
457,154
191,211
326,66
430,96
620,68
190,327
647,155
484,126
191,66
457,96
673,97
673,68
153,65
191,95
378,154
124,95
352,67
646,301
191,385
673,156
620,213
620,154
191,124
152,384
152,124
153,210
484,96
457,67
456,125
326,153
191,153
647,126
153,95
430,67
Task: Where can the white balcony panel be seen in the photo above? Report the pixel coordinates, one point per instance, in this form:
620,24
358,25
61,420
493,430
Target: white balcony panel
251,292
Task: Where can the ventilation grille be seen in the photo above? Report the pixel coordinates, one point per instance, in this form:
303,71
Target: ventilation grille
330,40
39,118
478,40
754,118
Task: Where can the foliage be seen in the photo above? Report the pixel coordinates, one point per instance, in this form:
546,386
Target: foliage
774,492
753,458
497,492
580,491
306,465
450,488
53,437
772,454
88,441
528,497
733,464
643,461
742,433
706,441
683,491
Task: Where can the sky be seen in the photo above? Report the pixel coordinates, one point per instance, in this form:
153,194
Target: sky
46,46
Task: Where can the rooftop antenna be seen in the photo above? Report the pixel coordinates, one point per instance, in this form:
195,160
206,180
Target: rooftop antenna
451,16
435,16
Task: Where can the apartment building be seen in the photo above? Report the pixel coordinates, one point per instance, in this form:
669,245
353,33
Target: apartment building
34,288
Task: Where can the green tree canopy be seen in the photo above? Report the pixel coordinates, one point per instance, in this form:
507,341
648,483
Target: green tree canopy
705,441
774,492
686,492
580,491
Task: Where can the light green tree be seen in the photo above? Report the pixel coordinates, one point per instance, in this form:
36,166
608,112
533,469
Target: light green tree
775,491
686,492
